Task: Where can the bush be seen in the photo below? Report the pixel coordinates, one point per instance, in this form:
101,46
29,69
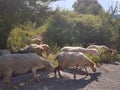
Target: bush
95,59
107,58
19,37
118,57
52,59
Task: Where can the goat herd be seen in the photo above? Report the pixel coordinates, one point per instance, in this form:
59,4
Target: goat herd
32,60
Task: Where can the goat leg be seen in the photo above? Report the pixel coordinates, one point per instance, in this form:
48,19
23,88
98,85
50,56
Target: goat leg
7,81
75,71
86,71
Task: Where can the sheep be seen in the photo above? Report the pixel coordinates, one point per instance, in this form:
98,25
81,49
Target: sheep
114,54
71,59
47,49
37,40
102,48
27,49
92,52
32,48
16,64
72,48
93,46
110,53
39,49
80,49
3,52
105,48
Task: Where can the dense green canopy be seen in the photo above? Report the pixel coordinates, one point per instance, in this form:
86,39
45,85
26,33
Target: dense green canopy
87,7
19,12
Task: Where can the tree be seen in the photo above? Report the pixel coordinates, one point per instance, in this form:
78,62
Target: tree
87,7
70,28
17,12
110,27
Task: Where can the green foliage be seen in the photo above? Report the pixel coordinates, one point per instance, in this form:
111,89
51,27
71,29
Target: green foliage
56,27
107,58
20,37
87,7
118,57
19,12
109,28
104,58
70,28
55,49
95,59
52,59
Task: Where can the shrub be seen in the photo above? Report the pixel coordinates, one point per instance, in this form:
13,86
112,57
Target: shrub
18,39
118,57
95,59
107,58
21,36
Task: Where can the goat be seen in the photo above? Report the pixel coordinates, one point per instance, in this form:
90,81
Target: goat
37,40
80,49
32,48
13,64
71,59
46,48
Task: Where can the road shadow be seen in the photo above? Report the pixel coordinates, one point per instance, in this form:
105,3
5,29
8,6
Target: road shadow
52,83
63,83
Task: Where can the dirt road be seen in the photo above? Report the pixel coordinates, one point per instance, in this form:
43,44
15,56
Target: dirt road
100,80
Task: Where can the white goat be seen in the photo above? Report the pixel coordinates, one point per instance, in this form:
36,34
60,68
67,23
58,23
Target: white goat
32,48
91,52
71,59
103,49
13,64
72,49
35,48
80,49
99,47
37,40
3,52
46,48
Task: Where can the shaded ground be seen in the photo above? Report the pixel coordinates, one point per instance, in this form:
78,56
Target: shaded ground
101,80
